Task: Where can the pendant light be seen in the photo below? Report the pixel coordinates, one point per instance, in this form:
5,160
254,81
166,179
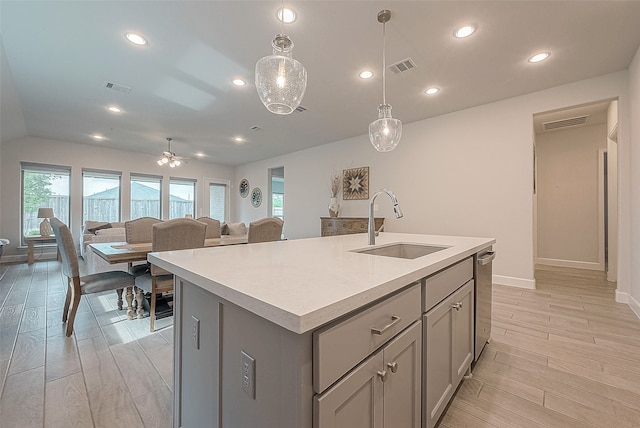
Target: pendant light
385,132
280,79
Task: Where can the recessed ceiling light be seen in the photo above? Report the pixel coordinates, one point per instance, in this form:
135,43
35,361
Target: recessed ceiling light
136,39
366,74
97,137
114,109
289,15
238,82
238,139
465,31
200,154
539,57
432,91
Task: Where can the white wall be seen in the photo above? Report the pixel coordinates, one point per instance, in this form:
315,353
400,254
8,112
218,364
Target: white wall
634,96
568,196
78,156
464,173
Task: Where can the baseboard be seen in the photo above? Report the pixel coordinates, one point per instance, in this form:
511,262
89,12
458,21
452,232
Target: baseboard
634,305
22,258
514,282
570,264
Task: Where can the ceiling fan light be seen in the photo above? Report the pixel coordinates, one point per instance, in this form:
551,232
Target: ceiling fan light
176,162
280,80
385,132
160,162
165,160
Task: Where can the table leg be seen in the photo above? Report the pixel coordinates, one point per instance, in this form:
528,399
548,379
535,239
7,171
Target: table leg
30,252
119,292
129,303
140,300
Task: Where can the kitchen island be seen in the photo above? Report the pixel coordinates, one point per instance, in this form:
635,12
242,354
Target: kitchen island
266,333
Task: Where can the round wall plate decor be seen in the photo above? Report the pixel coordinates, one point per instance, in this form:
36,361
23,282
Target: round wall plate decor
256,197
244,187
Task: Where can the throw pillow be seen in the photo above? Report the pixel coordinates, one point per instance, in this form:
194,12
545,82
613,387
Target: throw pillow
102,226
237,229
224,229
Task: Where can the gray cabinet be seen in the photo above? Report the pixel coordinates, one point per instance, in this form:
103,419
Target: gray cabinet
384,391
448,350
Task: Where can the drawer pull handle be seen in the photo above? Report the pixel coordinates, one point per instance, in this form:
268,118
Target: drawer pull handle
393,366
394,320
457,306
383,375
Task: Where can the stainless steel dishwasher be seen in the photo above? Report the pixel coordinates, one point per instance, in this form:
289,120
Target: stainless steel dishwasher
483,295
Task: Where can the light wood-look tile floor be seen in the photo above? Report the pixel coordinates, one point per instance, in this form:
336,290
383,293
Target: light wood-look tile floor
564,355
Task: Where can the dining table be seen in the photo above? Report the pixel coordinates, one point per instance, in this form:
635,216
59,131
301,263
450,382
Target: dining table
124,252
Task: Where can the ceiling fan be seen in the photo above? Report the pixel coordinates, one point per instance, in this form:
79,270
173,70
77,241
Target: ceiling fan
169,157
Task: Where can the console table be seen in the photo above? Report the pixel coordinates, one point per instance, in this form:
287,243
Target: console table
31,239
331,226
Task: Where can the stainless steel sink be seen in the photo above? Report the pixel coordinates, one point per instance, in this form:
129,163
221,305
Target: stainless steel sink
401,250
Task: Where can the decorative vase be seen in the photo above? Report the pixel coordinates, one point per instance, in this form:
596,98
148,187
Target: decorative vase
334,207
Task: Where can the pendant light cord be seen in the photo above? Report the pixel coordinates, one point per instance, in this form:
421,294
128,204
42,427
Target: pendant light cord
384,63
282,16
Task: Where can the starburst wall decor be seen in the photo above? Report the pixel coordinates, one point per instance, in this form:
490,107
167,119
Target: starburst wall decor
355,183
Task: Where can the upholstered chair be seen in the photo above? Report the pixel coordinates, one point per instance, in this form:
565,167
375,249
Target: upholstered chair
139,231
265,230
77,285
213,227
176,234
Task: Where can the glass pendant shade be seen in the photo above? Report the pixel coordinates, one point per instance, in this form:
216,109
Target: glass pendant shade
385,133
281,80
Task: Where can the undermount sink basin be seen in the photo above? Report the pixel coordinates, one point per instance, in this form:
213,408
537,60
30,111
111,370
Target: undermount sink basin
401,250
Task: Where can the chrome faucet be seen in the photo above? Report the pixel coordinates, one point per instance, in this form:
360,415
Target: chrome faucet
396,210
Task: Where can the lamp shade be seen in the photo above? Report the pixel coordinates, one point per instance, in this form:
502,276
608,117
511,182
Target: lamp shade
45,212
385,133
280,80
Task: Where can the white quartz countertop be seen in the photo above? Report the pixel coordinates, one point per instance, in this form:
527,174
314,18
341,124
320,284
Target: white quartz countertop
304,283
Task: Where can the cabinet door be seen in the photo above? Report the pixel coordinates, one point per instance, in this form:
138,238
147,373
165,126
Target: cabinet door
402,384
448,336
438,357
462,330
354,402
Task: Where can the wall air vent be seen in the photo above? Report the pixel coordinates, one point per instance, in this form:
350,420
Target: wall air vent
402,66
117,87
300,109
565,123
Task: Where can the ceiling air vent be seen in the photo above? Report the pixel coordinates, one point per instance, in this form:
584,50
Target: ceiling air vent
117,87
565,123
300,109
404,65
255,128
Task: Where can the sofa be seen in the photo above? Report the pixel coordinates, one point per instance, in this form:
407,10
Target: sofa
100,231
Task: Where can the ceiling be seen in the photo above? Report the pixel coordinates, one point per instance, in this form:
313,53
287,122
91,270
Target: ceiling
60,54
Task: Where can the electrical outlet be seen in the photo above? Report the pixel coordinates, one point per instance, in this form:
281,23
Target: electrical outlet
248,374
195,332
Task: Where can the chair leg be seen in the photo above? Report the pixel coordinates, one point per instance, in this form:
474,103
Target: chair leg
75,301
67,301
152,310
119,292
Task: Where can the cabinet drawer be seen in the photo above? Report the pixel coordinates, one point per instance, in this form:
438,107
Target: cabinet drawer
440,285
338,347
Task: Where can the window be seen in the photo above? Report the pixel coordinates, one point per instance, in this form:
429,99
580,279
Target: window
145,196
181,197
44,186
100,196
217,201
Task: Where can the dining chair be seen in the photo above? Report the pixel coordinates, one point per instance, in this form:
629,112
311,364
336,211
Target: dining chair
77,285
213,227
176,234
265,230
139,231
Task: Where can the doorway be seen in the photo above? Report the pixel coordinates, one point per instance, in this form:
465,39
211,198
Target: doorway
276,190
575,188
